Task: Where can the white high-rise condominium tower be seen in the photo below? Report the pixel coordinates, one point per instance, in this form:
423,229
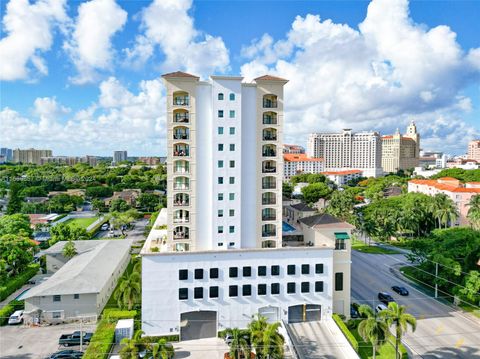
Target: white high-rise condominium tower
348,150
224,162
119,156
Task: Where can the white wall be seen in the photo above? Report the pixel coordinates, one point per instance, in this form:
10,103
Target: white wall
161,307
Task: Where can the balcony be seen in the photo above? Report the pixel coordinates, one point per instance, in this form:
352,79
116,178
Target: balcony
269,244
181,186
269,184
181,101
269,137
181,220
181,233
181,117
181,150
270,101
185,168
269,118
181,200
269,217
269,151
181,247
269,169
269,198
181,136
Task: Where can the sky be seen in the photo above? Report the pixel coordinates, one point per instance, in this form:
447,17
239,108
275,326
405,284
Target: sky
84,77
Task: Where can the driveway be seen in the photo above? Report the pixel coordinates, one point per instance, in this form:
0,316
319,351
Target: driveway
212,348
19,342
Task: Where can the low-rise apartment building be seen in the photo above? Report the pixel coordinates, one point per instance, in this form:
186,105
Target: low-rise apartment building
342,177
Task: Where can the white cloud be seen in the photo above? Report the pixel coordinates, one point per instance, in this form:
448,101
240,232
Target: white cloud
377,77
167,24
91,44
28,28
119,119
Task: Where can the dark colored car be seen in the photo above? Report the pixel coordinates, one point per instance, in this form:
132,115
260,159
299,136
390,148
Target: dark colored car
386,298
400,290
354,311
67,354
74,338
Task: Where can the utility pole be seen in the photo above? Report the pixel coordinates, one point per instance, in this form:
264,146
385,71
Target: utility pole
81,334
436,276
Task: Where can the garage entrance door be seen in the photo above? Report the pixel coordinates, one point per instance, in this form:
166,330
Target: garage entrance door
271,313
304,313
198,325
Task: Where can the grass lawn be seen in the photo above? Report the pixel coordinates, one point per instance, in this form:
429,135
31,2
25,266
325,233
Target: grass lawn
471,309
81,222
365,248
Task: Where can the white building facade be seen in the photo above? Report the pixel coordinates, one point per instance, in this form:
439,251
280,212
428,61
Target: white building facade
348,150
294,164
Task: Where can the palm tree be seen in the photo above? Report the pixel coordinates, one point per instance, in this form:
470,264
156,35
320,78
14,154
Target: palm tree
395,315
130,347
372,329
273,342
128,291
161,350
444,209
239,346
69,250
474,211
257,327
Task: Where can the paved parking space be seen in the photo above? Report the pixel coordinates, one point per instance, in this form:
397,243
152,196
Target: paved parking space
212,348
19,342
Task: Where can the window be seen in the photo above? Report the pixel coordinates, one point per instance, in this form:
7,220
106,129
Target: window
319,286
231,229
233,272
232,147
319,268
232,130
183,293
231,212
232,97
262,289
213,292
220,146
220,213
220,229
57,315
231,196
291,269
339,281
220,130
220,96
76,296
246,290
247,271
213,273
198,273
231,244
291,287
262,271
198,292
220,196
231,180
220,180
220,244
183,274
305,287
232,164
305,269
233,291
231,114
220,164
220,113
275,270
275,288
57,298
340,244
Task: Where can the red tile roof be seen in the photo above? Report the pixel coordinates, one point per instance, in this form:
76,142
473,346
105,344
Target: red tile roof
444,186
300,157
179,74
270,78
342,173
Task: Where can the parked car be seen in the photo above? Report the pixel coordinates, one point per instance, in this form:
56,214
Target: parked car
380,307
400,290
105,227
16,317
67,354
354,311
74,338
385,297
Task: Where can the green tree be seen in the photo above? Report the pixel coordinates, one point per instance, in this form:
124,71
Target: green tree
149,201
313,192
14,198
64,203
341,205
99,205
69,250
395,315
16,252
273,342
287,190
474,211
98,192
129,290
119,205
256,328
444,209
131,347
65,232
18,224
34,191
372,329
239,345
161,350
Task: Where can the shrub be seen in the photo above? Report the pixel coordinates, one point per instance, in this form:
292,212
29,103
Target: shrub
5,313
155,339
117,314
350,337
102,340
18,281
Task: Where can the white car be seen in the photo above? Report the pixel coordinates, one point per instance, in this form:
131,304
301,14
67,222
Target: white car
105,226
16,318
380,307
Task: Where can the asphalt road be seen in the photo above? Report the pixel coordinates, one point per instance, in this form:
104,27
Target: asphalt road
442,331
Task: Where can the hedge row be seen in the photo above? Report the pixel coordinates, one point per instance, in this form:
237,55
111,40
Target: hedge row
8,310
350,337
118,314
102,340
18,281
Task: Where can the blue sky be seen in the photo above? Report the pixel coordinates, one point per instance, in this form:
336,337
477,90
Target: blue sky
79,96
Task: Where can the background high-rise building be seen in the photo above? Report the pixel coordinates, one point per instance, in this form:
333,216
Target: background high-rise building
348,150
7,154
293,149
119,156
401,152
30,155
474,150
224,162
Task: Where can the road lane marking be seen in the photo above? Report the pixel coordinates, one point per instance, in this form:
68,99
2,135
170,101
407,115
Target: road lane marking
459,343
440,329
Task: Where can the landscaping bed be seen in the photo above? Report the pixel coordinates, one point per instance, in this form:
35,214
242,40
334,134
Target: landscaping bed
373,249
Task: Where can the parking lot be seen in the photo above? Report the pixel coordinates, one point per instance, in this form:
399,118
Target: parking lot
21,342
